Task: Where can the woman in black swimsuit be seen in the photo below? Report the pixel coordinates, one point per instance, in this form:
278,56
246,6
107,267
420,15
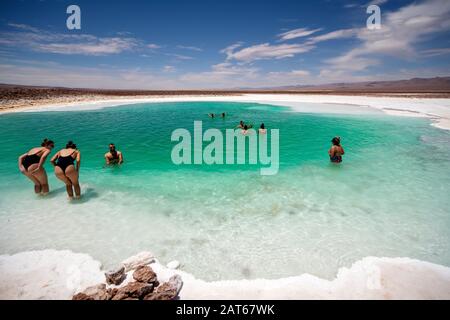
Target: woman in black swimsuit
65,169
31,164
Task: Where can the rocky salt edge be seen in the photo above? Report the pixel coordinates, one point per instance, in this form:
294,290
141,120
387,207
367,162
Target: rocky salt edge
52,274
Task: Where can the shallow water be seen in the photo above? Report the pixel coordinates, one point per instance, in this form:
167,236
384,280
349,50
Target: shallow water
388,198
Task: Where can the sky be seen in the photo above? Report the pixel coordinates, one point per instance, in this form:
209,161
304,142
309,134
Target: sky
220,44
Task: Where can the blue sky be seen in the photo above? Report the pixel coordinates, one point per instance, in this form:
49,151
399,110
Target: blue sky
221,44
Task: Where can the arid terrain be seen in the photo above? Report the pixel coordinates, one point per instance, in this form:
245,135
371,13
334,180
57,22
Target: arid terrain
19,96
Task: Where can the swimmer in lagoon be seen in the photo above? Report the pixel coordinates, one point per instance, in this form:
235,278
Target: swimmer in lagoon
113,156
262,129
31,164
65,169
336,151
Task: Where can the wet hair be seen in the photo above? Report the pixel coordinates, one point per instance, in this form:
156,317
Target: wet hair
46,142
223,114
245,127
336,141
71,145
262,126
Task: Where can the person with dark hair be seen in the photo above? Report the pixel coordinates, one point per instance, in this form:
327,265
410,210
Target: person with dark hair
223,115
65,169
211,115
113,156
336,151
31,164
262,129
241,125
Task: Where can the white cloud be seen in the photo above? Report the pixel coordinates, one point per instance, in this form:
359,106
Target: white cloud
23,27
266,51
297,33
192,48
220,76
295,73
179,56
401,30
153,46
337,34
435,52
169,69
101,46
376,2
83,44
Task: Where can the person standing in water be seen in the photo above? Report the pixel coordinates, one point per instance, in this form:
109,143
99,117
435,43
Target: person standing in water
65,169
113,156
336,151
262,129
31,164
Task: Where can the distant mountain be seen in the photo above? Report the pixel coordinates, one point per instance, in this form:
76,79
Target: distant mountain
438,84
416,85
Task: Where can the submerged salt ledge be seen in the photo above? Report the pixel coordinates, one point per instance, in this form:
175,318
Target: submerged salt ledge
52,274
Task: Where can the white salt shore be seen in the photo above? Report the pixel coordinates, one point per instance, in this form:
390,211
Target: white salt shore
436,109
51,274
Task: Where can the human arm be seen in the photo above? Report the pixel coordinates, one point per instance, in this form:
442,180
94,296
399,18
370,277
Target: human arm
21,167
107,158
78,160
54,158
42,160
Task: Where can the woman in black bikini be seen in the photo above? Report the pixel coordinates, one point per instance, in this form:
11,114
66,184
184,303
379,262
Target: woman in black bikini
336,151
31,164
66,171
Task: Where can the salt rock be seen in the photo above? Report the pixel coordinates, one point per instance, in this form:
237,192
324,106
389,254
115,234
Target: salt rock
141,259
145,274
81,296
136,290
173,264
97,292
115,276
168,290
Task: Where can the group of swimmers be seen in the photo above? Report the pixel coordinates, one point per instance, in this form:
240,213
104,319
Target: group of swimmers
66,162
262,129
336,151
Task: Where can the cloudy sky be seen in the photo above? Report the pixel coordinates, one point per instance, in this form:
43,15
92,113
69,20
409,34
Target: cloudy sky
220,44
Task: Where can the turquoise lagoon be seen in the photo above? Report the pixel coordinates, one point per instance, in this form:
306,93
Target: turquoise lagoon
390,196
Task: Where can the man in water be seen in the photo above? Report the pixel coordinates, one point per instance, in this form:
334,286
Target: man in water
113,156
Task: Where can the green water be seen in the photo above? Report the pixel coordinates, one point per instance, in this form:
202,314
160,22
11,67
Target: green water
388,198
